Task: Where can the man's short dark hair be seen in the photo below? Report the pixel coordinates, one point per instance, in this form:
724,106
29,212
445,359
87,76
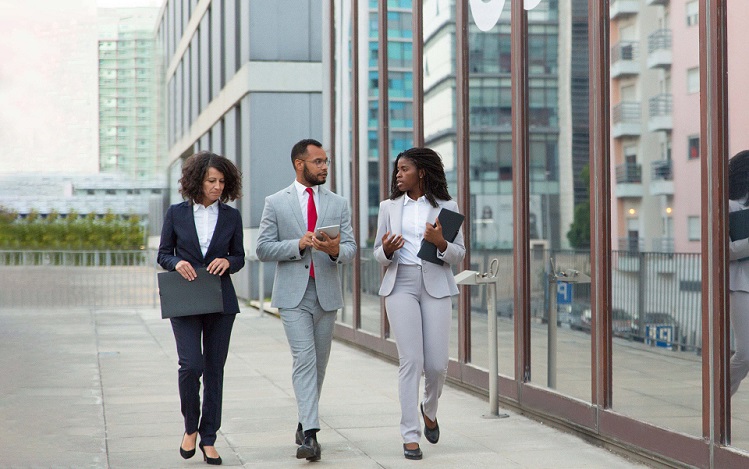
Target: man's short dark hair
300,148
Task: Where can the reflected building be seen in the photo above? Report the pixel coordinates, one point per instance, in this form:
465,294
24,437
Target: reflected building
131,137
490,121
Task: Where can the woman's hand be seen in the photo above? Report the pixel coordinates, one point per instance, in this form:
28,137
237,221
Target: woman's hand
186,271
391,243
218,266
433,234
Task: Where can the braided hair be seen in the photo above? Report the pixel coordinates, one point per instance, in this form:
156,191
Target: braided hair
738,176
435,182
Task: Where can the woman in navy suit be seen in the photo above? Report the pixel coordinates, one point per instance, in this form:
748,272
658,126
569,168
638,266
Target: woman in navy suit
204,232
418,294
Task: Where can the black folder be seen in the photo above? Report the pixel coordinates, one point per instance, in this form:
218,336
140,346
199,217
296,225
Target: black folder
180,297
450,222
738,225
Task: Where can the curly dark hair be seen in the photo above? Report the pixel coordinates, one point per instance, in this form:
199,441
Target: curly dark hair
435,182
195,168
738,176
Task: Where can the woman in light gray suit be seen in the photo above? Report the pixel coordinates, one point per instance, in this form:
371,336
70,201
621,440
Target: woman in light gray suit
738,269
417,294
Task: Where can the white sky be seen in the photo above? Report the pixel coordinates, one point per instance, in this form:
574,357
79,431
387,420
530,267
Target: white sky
128,3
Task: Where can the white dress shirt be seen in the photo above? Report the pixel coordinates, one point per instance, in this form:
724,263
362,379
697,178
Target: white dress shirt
205,223
303,195
413,224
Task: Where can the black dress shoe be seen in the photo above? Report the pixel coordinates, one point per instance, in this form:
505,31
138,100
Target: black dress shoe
299,436
211,461
411,453
431,434
309,449
183,452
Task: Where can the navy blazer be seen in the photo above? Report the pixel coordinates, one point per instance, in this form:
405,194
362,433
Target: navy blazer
179,241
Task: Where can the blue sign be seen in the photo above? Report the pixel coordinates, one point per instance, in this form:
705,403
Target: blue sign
564,293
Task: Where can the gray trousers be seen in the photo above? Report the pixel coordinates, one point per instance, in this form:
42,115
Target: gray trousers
309,330
421,326
740,325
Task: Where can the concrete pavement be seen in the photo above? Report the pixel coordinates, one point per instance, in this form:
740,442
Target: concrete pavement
98,388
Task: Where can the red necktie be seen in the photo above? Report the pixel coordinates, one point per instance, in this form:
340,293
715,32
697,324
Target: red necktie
311,223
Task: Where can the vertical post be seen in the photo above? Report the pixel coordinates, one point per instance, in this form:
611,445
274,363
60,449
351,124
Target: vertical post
716,402
417,22
355,183
520,191
261,287
462,164
551,337
493,346
600,203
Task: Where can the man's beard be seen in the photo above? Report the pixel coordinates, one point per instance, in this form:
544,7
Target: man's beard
311,179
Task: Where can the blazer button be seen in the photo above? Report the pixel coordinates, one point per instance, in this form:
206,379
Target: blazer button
306,267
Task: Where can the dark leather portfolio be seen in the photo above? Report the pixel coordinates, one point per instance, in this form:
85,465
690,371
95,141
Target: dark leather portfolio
738,225
450,222
180,297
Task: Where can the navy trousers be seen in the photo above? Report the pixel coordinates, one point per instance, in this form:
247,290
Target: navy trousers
206,361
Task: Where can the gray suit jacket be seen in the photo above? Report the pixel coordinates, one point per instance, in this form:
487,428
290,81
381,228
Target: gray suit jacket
281,228
438,279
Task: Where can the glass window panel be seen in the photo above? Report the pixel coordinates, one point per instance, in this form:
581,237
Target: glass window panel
655,308
738,140
558,110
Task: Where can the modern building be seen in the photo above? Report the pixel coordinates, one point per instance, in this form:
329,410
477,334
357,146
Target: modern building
131,118
244,80
490,122
655,88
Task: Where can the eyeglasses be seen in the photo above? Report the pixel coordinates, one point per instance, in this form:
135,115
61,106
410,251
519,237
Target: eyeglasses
319,162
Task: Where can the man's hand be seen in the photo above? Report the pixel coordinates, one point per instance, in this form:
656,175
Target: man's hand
327,245
306,241
391,243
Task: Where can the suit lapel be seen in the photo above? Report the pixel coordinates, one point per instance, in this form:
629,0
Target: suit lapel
219,225
189,218
396,215
324,203
296,209
434,212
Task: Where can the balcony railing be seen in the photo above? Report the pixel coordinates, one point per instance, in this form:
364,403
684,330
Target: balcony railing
665,244
658,40
630,245
625,117
661,170
624,59
629,173
627,112
660,110
659,49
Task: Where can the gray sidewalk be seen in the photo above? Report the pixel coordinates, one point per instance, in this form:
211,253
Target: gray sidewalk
98,388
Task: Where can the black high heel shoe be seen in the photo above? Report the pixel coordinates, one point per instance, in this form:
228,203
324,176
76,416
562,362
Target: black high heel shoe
211,461
183,452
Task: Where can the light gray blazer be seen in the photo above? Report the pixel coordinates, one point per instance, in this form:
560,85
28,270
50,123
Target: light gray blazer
438,279
281,228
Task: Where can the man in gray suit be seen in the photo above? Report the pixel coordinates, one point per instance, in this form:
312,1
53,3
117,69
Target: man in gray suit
307,287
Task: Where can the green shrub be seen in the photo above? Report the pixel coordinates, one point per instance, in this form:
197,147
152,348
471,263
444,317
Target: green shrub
73,232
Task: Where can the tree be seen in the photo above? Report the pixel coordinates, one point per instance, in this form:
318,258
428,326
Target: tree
579,233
